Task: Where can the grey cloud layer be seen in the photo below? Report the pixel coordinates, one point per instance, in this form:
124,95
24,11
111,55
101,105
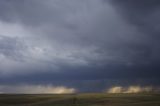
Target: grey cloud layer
145,16
93,39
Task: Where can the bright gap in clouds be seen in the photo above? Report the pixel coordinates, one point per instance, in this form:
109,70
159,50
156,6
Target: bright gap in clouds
36,89
130,89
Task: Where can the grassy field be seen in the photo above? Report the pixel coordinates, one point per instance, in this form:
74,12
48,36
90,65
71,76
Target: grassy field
81,100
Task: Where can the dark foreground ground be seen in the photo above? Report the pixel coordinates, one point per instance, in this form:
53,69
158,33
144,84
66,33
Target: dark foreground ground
81,100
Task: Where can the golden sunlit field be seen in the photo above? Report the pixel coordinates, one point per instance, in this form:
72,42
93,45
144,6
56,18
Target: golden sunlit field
92,99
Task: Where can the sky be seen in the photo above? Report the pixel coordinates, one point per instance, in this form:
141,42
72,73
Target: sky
65,46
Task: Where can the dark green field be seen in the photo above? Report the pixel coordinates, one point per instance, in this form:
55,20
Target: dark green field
81,100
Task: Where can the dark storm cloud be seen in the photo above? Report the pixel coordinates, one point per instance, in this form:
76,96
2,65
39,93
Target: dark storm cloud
53,40
144,15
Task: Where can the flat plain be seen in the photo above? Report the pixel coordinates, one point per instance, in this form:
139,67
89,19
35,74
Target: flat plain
84,99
